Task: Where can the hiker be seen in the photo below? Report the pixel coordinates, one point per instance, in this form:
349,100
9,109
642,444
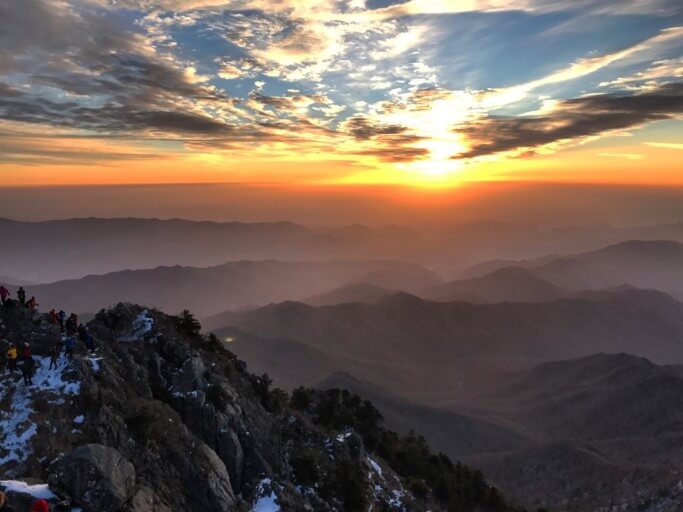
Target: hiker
60,318
27,370
26,353
21,295
89,341
12,357
53,316
4,504
69,345
40,506
32,303
81,332
4,293
54,355
71,324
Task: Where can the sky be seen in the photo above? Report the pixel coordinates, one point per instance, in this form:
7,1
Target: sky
334,93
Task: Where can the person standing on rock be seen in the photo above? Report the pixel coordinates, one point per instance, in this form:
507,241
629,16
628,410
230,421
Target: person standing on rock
89,341
4,504
60,318
4,293
69,345
26,353
27,370
12,357
40,506
81,332
53,316
54,355
71,324
32,303
21,295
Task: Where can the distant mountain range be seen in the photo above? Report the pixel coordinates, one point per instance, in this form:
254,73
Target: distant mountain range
508,284
236,285
641,264
655,264
354,292
49,251
453,349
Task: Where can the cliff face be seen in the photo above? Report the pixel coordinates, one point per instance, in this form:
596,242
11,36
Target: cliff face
161,418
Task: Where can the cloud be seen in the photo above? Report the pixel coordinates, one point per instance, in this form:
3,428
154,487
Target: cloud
496,98
624,156
570,121
363,128
661,69
665,145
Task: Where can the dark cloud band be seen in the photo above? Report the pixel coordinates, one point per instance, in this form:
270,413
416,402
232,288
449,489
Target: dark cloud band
571,119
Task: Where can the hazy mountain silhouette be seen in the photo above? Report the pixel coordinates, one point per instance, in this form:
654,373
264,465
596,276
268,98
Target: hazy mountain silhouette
235,285
656,264
600,423
644,264
55,250
354,292
446,430
63,249
510,284
488,267
454,348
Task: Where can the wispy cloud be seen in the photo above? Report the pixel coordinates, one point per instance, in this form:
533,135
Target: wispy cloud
665,145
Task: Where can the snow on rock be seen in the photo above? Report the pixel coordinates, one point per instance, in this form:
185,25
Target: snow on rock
396,500
142,325
16,426
267,501
79,419
94,363
343,437
38,491
376,467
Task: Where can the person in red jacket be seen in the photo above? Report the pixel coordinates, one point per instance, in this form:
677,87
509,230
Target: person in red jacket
4,293
32,303
40,506
53,316
27,352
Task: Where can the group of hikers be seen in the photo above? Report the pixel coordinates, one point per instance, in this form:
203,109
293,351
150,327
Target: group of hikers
11,355
71,330
31,303
39,505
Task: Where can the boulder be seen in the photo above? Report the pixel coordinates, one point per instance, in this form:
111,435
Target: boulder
210,487
230,451
144,500
98,478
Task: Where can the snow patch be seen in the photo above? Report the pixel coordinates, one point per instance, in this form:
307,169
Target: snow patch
94,363
343,437
142,325
266,503
79,419
38,491
396,500
16,426
376,467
